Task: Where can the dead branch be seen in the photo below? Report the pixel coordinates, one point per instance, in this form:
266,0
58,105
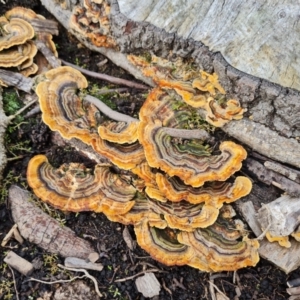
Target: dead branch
17,80
48,54
271,177
290,173
108,78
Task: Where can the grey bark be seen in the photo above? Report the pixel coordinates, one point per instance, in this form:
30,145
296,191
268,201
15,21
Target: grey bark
273,110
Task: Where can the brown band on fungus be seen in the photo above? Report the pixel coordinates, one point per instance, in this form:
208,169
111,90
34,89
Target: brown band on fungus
14,32
73,187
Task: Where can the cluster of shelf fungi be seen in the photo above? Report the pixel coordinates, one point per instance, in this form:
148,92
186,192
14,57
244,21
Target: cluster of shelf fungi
163,175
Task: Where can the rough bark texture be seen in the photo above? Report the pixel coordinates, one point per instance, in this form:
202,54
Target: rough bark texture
249,34
267,103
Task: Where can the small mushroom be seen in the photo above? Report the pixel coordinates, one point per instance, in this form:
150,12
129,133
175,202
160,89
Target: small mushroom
283,241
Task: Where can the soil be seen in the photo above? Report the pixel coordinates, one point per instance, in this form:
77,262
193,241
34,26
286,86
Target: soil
264,281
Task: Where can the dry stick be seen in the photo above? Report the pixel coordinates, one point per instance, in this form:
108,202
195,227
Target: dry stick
271,177
56,281
187,133
17,80
214,286
15,284
283,170
21,110
138,274
174,132
48,54
108,78
87,274
108,111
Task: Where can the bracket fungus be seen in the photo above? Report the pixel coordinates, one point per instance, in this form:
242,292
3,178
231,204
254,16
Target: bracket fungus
72,187
175,185
26,41
196,87
14,32
92,20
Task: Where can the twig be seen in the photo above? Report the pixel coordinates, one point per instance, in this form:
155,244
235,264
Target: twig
214,286
174,132
211,289
21,110
87,274
166,288
108,78
56,281
48,54
108,111
14,279
138,274
109,91
115,271
102,63
187,133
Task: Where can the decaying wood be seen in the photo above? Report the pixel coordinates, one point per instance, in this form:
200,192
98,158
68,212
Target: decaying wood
13,233
17,80
289,257
75,262
243,32
269,105
282,213
19,263
107,78
271,177
42,230
294,291
283,170
148,285
48,54
45,26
